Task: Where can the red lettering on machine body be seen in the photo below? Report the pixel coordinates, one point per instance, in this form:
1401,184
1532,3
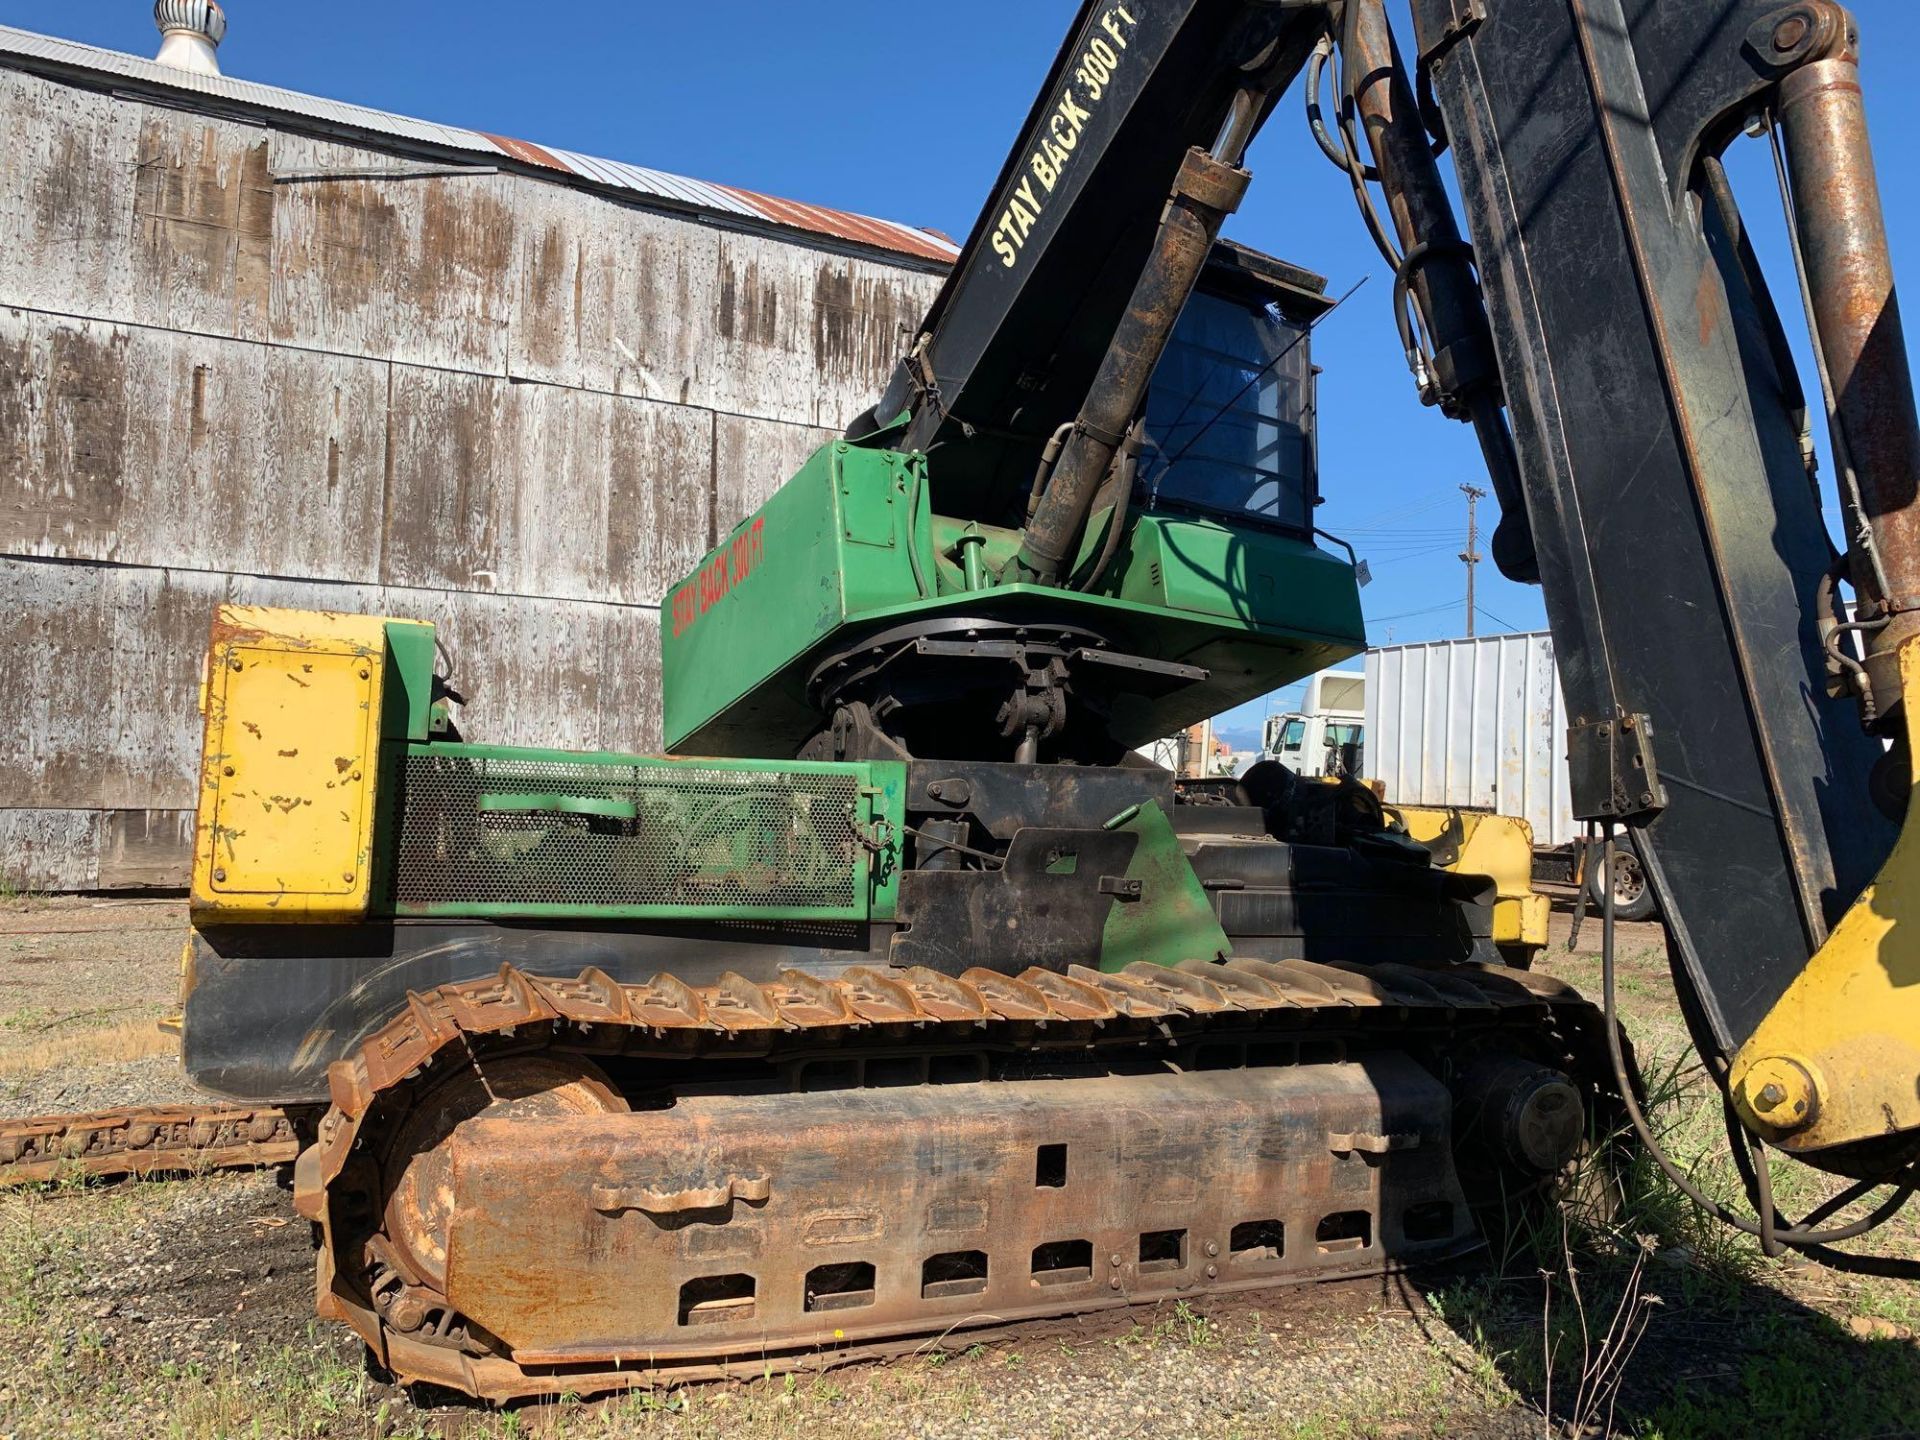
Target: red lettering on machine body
717,576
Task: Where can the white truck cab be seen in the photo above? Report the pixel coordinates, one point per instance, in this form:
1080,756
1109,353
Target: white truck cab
1327,735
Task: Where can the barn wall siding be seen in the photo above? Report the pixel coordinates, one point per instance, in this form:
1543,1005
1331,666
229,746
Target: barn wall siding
52,849
232,370
115,210
101,694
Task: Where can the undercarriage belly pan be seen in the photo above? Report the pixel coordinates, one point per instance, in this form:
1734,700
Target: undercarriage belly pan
737,1224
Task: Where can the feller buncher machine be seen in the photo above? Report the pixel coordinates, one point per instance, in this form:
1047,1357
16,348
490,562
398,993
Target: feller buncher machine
930,1008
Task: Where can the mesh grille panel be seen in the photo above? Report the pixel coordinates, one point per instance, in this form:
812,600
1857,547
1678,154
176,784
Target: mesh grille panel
496,831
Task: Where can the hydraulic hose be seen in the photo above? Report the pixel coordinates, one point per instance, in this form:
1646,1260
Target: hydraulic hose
1117,491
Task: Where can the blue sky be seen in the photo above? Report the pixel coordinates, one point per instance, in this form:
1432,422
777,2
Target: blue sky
906,111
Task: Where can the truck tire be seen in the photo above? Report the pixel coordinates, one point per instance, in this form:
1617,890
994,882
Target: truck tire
1632,896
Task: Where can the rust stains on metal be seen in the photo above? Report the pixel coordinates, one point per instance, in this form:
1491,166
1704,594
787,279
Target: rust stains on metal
1843,239
528,151
862,229
860,324
883,1172
203,212
29,51
749,306
62,465
1082,1192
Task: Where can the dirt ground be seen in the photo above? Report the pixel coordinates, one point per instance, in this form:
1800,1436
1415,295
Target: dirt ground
184,1308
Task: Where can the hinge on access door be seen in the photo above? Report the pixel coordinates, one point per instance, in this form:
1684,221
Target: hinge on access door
1610,769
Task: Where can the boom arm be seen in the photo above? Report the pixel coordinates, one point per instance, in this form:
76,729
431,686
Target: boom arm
1096,230
1687,570
1013,342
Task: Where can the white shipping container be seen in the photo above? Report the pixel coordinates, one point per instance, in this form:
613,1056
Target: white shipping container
1477,723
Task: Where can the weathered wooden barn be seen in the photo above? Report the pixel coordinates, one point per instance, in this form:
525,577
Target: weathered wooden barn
265,347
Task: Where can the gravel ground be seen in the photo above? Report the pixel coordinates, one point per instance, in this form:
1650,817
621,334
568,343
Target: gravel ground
83,984
179,1302
78,953
70,1089
185,1308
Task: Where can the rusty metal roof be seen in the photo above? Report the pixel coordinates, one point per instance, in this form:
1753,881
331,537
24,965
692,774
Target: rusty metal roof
70,60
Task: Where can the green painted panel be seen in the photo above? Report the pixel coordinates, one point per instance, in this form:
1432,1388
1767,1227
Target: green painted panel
492,831
1172,920
866,508
834,540
1253,577
848,547
408,693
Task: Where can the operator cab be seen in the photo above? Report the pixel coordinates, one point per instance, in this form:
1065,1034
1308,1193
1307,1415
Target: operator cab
867,611
1230,412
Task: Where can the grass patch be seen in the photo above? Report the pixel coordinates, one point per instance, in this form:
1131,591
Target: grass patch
49,1049
1812,1382
1642,1316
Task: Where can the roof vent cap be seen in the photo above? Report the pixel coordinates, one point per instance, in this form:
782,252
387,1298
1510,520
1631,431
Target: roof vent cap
191,31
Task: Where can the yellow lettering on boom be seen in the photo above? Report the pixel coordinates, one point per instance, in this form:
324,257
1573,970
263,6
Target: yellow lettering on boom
1100,58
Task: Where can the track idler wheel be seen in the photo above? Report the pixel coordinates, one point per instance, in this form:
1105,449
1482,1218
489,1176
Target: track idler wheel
1523,1114
407,1262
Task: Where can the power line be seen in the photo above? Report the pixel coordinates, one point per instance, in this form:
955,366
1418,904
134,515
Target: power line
1418,507
1387,519
1409,614
1415,554
1389,528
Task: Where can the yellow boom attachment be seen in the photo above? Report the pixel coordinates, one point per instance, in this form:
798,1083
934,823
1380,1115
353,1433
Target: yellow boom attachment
1837,1058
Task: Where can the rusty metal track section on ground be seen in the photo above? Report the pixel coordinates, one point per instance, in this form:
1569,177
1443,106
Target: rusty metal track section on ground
147,1140
1329,1020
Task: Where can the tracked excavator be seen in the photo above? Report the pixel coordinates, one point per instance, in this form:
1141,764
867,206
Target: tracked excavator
931,1008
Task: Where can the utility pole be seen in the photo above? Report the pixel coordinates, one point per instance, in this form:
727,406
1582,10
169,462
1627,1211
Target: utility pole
1471,555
